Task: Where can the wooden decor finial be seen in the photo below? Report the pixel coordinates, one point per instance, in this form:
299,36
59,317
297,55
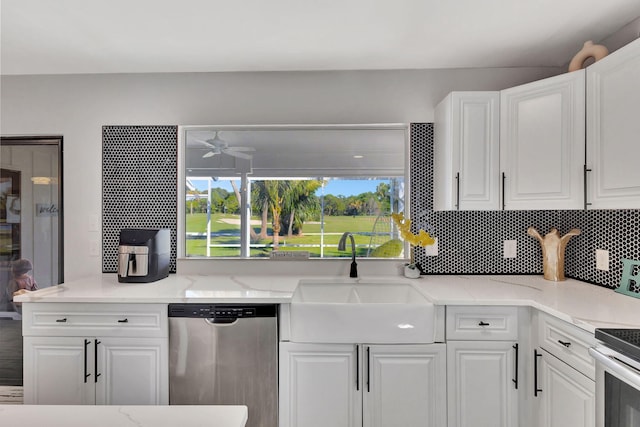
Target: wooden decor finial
553,247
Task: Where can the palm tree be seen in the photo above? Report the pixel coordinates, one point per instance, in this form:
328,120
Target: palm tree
275,191
260,203
301,203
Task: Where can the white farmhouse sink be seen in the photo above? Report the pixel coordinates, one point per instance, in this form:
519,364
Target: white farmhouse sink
353,311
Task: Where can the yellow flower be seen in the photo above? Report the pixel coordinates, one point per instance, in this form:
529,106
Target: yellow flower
404,225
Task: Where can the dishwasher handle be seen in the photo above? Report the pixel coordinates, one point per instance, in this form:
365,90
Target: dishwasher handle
221,320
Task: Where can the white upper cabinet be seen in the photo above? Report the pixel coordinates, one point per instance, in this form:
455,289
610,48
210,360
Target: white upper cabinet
542,143
613,130
467,152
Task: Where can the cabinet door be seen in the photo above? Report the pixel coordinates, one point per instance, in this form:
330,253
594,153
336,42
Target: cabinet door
58,371
132,371
404,385
320,385
467,152
613,96
542,143
567,398
481,385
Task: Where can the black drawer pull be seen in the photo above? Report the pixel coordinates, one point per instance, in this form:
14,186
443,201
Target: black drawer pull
123,321
482,323
565,343
63,320
536,389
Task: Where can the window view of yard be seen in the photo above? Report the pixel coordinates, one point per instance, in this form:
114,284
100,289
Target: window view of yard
253,190
308,217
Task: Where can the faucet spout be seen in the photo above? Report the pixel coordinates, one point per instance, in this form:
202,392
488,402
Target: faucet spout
342,244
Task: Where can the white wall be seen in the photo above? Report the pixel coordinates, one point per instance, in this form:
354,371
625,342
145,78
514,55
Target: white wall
77,106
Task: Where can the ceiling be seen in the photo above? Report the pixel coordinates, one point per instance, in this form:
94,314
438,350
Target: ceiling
297,151
136,36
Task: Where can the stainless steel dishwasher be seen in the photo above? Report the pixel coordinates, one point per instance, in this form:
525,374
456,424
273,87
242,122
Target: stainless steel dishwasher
225,354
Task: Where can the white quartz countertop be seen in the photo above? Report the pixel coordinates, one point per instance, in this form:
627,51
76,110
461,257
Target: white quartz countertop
588,306
122,416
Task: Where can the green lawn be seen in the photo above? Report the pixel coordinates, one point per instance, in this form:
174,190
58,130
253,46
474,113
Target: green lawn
230,235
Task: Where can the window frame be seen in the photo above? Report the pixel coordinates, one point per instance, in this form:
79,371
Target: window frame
246,204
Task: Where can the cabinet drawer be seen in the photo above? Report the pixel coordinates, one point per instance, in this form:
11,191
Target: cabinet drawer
567,342
482,323
79,319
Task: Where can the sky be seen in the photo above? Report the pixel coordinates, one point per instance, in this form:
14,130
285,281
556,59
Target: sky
338,187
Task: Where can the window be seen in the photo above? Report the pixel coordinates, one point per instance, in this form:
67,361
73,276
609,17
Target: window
249,191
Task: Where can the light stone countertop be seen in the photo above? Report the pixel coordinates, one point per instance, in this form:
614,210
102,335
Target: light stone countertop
585,305
122,416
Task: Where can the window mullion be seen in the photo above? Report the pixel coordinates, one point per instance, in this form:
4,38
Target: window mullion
245,216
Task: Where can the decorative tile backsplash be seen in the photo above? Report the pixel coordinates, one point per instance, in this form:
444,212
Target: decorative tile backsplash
471,242
139,172
139,176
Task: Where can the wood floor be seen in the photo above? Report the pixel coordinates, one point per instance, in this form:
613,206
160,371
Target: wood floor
10,352
10,395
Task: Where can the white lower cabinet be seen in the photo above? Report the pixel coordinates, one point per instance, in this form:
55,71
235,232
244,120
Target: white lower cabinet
353,385
111,354
483,381
482,384
87,371
566,398
564,374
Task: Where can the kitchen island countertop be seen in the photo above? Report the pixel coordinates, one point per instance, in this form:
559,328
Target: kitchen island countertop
122,416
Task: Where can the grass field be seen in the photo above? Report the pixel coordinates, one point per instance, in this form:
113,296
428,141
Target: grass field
225,232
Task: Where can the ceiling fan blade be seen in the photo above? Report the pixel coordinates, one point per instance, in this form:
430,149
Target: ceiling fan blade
209,154
246,149
238,154
208,144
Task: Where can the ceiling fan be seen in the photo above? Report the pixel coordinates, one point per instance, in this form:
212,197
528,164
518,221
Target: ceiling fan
216,145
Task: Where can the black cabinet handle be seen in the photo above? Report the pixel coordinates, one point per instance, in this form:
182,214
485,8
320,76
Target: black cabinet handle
96,360
515,379
86,344
483,323
357,367
368,369
123,320
565,343
63,320
458,191
586,182
536,390
504,188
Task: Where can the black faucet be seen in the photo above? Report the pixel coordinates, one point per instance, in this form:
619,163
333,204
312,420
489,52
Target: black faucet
342,247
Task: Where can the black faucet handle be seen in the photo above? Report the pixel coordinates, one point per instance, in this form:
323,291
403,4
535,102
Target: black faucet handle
354,270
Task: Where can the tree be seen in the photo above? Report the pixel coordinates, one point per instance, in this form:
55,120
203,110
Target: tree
275,191
383,194
300,204
260,203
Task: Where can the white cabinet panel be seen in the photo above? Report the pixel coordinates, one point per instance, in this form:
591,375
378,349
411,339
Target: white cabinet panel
482,384
467,152
58,371
542,143
567,398
406,386
319,385
124,359
613,129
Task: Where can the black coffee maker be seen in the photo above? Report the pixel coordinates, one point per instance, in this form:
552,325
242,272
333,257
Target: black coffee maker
143,255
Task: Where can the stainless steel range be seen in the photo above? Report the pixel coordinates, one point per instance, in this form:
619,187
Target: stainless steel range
617,377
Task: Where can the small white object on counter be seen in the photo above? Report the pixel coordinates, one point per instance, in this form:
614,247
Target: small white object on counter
122,416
